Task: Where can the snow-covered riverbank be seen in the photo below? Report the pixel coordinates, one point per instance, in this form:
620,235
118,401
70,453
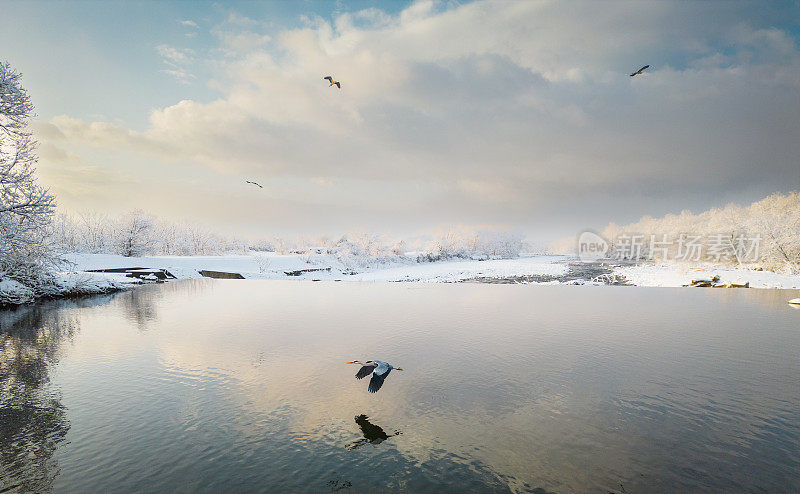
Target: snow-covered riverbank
267,265
65,284
676,275
326,267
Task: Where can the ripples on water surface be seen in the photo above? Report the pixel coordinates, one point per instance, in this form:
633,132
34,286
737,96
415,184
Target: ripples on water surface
241,385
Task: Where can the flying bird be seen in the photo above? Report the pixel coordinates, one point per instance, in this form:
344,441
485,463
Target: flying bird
329,78
640,71
379,371
254,183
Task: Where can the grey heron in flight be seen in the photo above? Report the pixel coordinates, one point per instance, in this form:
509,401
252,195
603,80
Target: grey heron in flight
379,371
254,183
329,78
640,71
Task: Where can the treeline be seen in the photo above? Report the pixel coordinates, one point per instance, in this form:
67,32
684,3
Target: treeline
138,234
765,234
475,243
360,249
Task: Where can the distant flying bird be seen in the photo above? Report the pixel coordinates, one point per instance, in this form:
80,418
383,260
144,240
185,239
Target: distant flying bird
254,183
329,78
640,70
379,371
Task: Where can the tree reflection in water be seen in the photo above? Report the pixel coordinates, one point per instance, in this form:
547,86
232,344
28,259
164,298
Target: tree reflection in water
139,306
32,419
373,434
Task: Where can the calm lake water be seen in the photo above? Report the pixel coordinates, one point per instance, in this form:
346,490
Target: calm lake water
218,385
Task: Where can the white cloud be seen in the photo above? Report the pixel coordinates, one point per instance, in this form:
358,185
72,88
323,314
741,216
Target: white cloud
240,20
175,56
54,154
239,34
189,23
178,60
244,41
180,75
505,106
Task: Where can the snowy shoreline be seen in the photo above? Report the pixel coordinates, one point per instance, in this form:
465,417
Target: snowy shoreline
679,275
538,269
528,268
64,285
322,267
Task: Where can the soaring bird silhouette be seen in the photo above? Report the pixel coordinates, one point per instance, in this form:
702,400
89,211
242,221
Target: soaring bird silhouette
640,71
254,183
379,371
329,78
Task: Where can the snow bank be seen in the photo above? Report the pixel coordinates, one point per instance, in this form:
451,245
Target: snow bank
459,270
674,275
14,292
81,283
258,265
268,265
64,284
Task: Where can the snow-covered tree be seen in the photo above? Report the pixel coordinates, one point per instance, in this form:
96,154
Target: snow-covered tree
26,209
135,234
777,219
475,243
764,234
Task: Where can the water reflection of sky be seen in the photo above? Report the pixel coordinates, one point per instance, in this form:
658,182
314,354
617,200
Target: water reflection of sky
243,383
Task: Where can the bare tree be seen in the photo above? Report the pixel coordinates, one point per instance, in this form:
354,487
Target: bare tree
136,234
26,209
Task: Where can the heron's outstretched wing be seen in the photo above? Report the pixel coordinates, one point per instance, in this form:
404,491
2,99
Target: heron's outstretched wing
364,371
376,382
338,85
381,371
328,78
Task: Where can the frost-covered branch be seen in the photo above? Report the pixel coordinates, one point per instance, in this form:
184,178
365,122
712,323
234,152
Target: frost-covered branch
26,209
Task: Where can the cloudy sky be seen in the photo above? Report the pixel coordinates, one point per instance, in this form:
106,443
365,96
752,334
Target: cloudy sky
472,113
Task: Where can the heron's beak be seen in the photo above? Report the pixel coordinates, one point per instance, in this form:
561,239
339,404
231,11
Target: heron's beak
349,362
398,368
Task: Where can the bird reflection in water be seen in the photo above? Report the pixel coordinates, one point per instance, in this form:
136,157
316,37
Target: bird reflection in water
372,433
